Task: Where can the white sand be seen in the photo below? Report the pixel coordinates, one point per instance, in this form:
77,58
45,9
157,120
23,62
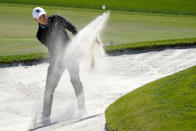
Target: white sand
21,87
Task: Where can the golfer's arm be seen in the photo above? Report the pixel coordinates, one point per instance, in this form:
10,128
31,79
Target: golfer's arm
69,26
40,38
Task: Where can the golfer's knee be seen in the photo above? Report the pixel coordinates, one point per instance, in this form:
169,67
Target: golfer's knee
77,85
48,92
76,82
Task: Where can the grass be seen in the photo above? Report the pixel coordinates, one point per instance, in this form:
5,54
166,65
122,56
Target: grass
161,6
109,49
23,58
167,104
18,29
151,45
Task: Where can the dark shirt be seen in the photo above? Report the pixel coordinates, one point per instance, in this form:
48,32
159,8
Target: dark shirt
54,36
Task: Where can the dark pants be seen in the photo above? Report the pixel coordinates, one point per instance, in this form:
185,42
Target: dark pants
55,71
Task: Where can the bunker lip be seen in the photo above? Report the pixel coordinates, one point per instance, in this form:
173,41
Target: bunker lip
109,53
152,49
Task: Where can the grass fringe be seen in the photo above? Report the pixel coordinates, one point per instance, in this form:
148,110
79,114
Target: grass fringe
109,49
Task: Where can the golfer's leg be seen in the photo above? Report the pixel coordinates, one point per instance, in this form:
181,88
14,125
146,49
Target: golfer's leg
77,85
52,80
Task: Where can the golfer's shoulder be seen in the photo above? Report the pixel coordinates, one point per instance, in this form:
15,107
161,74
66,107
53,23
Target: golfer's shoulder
57,17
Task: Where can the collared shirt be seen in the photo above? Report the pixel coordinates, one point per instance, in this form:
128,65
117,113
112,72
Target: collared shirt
43,26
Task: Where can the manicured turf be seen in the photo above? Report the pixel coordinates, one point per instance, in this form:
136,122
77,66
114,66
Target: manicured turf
23,58
167,104
110,49
18,29
163,6
151,45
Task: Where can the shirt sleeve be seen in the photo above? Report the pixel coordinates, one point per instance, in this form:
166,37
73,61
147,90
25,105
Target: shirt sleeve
41,38
67,25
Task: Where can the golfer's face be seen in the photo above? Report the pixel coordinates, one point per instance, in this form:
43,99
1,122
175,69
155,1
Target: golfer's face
43,19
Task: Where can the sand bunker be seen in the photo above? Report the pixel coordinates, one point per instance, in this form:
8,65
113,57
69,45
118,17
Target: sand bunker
21,87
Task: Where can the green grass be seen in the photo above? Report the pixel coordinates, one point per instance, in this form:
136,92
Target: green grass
151,45
167,104
109,49
23,58
163,6
18,29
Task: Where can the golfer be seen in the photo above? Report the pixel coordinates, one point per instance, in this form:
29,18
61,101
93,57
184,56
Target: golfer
52,34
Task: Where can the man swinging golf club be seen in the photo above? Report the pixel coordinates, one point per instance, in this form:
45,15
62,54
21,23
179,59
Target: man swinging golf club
52,34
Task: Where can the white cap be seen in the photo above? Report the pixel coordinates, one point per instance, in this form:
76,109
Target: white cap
37,12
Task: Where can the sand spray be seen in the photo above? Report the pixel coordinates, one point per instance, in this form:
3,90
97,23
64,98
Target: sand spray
87,43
